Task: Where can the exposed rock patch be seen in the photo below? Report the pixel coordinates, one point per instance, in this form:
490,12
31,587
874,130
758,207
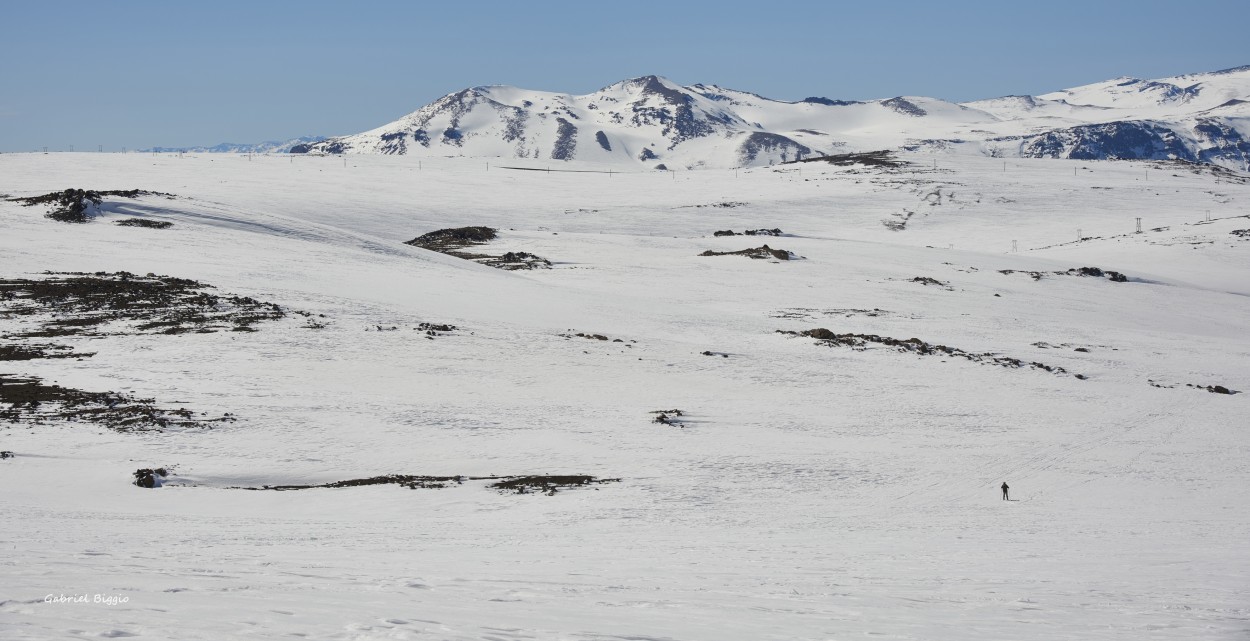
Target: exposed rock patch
75,303
412,482
512,261
1115,277
32,352
749,232
884,158
1214,389
434,330
144,222
79,205
1093,272
545,484
32,402
916,346
904,106
900,220
597,337
728,204
548,484
453,241
668,417
1034,275
150,478
810,313
761,252
1045,345
761,142
449,240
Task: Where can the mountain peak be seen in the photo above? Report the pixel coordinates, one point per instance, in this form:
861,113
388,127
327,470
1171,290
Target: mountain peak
653,86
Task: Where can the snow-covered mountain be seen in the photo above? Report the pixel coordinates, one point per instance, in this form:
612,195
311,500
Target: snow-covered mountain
267,147
647,120
1195,117
654,122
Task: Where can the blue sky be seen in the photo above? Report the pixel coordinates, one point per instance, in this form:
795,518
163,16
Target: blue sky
144,73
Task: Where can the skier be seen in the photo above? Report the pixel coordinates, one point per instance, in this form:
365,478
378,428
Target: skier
1005,488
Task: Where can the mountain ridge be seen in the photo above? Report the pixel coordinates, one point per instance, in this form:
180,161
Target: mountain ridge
653,122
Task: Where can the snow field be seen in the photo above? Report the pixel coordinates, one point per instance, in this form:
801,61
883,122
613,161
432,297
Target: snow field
813,492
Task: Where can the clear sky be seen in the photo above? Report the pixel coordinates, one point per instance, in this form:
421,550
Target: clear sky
175,73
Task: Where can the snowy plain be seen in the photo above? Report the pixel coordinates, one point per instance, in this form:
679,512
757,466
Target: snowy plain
813,492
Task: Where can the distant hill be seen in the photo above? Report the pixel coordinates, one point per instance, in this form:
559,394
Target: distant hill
267,147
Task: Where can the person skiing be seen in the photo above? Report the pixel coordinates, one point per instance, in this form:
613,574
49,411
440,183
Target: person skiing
1005,488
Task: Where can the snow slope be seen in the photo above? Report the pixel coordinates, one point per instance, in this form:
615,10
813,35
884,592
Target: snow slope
653,122
813,492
